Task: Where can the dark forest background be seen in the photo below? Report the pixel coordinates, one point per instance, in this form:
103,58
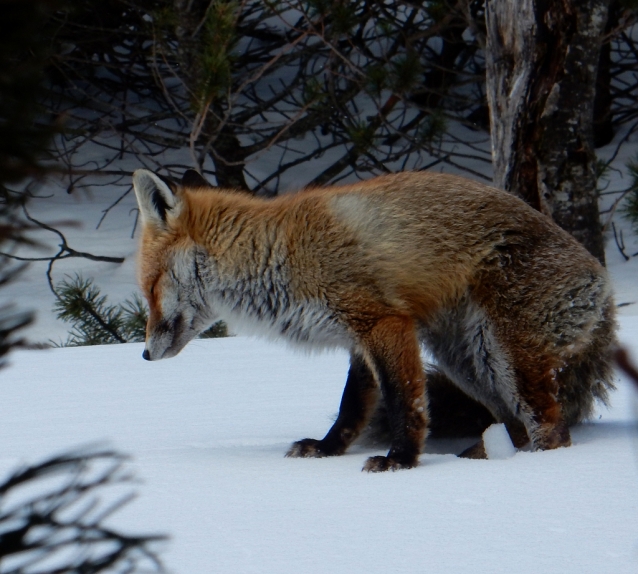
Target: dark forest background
269,96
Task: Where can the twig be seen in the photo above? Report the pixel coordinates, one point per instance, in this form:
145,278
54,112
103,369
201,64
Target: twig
64,252
106,211
65,518
621,357
614,207
620,242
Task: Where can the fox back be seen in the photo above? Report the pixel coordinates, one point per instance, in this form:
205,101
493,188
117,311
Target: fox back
516,313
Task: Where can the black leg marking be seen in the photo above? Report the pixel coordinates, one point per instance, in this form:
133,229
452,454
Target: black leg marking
357,403
406,425
394,353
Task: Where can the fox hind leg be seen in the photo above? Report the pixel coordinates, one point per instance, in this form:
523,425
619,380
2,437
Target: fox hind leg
469,354
529,407
543,414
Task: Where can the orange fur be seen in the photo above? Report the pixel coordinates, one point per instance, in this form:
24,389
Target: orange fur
515,311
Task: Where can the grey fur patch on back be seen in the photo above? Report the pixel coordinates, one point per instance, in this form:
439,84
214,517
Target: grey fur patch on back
357,210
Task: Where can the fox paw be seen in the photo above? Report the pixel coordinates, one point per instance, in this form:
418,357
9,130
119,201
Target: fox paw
476,451
551,437
383,463
306,448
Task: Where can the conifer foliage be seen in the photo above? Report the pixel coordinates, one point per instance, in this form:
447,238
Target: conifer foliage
250,93
367,86
95,321
53,514
24,136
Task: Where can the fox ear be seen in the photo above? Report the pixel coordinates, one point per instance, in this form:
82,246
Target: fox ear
155,196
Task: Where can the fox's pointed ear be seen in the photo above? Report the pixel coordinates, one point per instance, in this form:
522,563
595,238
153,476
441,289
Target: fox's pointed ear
193,179
155,196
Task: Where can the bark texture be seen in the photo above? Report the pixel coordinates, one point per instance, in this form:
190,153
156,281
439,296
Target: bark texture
227,153
542,58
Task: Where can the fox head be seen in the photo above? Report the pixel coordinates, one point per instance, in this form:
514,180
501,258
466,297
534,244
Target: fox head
171,265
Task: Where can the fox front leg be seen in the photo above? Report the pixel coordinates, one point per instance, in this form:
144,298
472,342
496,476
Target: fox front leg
393,352
358,401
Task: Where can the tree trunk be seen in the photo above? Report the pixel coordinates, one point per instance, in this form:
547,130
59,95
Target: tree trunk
228,157
603,116
542,58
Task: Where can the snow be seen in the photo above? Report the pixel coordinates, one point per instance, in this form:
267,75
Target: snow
208,430
497,442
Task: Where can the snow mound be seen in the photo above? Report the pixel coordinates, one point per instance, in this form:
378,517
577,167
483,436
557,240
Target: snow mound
497,442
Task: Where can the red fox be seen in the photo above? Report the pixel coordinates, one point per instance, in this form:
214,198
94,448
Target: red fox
516,313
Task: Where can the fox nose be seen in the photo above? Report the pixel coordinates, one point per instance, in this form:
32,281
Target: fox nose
146,355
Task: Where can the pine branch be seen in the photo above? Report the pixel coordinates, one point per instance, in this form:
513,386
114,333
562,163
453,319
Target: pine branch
94,321
63,520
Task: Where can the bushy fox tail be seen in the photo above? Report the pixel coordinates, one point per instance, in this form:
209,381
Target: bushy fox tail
589,377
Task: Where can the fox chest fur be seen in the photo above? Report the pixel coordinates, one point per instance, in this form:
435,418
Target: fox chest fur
498,293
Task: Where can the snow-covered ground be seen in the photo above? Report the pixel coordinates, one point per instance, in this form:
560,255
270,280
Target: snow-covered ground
208,429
